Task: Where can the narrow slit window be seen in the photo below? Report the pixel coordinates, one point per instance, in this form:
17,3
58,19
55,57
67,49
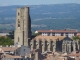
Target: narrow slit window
18,39
18,13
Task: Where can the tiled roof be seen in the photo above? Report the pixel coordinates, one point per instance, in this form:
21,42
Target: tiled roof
78,34
1,52
73,54
53,38
9,48
11,56
59,31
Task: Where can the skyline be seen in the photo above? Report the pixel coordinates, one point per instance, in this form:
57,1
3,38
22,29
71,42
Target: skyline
36,2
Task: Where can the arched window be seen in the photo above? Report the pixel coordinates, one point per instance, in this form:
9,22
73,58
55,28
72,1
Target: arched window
18,39
18,13
18,23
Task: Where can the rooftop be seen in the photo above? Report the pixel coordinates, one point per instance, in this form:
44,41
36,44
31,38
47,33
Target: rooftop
48,38
59,31
11,56
9,48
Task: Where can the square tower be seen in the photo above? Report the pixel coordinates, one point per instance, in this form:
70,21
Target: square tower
23,27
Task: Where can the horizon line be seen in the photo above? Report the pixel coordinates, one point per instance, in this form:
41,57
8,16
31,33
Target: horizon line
38,4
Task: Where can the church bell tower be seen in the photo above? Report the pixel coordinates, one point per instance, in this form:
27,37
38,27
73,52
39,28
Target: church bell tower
23,27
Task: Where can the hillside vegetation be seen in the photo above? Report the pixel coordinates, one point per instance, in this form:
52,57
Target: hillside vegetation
54,16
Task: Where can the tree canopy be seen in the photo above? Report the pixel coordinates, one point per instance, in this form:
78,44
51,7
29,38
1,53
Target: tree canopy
76,38
6,41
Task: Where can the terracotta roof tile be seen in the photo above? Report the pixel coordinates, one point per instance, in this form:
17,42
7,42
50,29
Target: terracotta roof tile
11,56
78,54
53,38
9,48
72,54
57,31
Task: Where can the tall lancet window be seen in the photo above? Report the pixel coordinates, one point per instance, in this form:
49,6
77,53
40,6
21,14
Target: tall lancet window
18,39
18,13
18,23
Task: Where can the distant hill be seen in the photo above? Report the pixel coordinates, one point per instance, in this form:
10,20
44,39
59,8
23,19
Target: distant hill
54,16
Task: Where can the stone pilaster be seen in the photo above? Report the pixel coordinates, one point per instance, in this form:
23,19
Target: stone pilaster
37,44
74,47
32,45
54,46
36,56
78,44
43,46
69,48
65,48
48,45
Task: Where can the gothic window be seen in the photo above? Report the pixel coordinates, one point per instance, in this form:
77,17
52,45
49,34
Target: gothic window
18,13
18,39
18,23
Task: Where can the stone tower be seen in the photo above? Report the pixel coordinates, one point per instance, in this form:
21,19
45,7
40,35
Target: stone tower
23,27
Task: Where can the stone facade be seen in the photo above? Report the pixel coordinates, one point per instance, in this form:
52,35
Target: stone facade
43,45
65,45
23,27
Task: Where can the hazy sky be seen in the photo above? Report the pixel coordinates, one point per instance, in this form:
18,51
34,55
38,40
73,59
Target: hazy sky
35,2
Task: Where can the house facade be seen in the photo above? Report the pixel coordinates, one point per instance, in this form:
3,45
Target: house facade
69,33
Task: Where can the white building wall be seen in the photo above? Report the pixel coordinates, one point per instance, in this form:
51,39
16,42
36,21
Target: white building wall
51,34
44,34
70,34
57,34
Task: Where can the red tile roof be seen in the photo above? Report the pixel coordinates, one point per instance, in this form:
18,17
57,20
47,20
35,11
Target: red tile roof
9,48
11,56
59,31
73,54
48,38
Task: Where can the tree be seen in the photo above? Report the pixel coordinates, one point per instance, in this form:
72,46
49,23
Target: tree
6,41
11,35
76,38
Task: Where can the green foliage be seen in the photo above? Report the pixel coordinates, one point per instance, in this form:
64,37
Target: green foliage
11,35
36,34
76,38
6,41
